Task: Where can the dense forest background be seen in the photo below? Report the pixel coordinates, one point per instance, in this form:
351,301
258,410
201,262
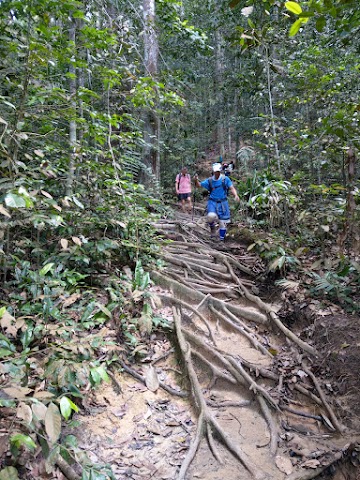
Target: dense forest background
102,103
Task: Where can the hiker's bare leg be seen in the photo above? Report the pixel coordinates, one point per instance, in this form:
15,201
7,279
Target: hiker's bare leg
183,205
189,204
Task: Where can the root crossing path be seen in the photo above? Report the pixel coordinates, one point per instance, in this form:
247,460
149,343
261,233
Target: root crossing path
259,410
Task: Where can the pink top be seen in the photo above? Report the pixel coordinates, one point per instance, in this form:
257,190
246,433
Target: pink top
185,183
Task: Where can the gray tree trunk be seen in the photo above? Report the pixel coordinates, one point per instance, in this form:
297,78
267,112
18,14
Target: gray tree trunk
151,119
72,124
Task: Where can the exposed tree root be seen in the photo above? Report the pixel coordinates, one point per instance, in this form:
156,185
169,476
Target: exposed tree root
206,418
66,469
189,294
195,274
187,306
240,328
329,410
269,310
227,403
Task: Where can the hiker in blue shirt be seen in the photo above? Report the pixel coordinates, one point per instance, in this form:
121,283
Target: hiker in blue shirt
218,206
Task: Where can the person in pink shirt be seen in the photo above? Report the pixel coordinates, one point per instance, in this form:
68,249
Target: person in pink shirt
183,189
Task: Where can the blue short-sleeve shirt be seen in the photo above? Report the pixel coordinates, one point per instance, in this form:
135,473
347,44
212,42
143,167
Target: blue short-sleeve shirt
218,192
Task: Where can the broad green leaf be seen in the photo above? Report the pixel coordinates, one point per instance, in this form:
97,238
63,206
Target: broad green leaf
9,473
2,311
53,423
293,7
295,27
104,310
66,407
320,24
103,374
14,201
46,269
20,440
78,203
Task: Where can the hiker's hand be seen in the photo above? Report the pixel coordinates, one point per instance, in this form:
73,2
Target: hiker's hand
237,198
195,177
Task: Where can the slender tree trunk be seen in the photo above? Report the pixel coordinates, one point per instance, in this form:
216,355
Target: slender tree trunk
151,119
219,69
272,118
72,124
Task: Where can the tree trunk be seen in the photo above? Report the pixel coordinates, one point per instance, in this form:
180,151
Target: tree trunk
272,118
151,119
219,73
72,124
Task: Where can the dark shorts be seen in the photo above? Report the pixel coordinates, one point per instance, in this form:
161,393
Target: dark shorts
184,196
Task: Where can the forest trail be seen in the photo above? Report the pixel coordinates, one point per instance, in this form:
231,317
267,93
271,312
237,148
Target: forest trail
237,400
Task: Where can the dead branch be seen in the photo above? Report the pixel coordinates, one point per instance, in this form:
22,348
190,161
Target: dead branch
301,414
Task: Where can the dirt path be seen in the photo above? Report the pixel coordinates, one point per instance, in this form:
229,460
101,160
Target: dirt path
244,403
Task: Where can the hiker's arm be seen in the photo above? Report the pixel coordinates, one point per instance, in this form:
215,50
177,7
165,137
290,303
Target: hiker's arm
196,181
233,191
176,186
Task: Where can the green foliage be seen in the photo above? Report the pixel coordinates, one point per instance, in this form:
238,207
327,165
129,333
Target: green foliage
340,283
275,255
267,197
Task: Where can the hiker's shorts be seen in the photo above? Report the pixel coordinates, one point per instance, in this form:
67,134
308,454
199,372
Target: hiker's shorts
220,207
184,196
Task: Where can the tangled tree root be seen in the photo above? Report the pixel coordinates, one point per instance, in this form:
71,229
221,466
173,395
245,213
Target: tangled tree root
206,421
209,279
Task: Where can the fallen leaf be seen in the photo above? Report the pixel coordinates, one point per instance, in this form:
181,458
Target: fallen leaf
151,379
72,299
39,410
311,464
24,412
284,464
77,241
64,243
4,444
17,392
